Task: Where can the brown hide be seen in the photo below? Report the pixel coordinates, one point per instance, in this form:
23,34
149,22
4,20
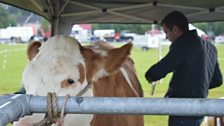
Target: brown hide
115,85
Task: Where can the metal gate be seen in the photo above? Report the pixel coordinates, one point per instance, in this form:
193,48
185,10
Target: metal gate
13,107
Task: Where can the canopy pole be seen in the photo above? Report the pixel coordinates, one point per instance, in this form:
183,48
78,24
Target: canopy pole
60,26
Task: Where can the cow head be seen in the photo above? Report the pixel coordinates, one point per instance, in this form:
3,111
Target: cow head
63,66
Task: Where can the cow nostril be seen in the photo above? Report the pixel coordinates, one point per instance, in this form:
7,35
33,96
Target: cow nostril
70,81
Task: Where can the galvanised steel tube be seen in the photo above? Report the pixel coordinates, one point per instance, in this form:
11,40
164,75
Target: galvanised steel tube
8,113
21,105
4,98
13,108
143,106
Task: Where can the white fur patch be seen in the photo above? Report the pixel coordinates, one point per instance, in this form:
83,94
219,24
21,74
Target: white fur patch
99,74
125,74
101,52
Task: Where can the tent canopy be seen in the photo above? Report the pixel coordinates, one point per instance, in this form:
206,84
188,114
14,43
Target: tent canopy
67,12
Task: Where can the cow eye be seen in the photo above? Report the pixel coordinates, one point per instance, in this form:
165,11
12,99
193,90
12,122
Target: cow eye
70,81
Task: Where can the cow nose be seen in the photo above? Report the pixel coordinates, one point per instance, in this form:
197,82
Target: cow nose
70,81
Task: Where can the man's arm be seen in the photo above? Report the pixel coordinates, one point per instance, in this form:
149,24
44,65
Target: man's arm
217,79
169,63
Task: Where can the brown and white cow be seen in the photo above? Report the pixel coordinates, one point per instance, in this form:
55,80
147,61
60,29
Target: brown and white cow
63,66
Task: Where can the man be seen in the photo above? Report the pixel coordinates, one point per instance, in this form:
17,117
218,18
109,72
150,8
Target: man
193,63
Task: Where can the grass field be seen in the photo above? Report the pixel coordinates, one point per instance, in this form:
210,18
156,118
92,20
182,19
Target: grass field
13,59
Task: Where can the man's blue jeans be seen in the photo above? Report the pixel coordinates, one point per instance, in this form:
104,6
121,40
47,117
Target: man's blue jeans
185,120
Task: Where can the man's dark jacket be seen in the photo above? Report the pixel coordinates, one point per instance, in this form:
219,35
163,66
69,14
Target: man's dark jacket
194,65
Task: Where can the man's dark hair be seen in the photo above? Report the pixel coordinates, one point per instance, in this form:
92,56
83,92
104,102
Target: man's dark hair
176,18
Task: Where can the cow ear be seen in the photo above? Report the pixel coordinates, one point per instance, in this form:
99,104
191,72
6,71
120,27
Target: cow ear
33,49
92,61
116,57
86,52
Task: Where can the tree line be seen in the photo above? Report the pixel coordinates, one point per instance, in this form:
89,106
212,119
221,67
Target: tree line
9,15
211,28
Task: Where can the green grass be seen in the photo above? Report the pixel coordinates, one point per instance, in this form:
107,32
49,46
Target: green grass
12,62
14,59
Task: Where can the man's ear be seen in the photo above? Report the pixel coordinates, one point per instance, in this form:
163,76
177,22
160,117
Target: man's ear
116,57
33,49
177,31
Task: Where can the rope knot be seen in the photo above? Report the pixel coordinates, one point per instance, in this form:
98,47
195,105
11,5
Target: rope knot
52,115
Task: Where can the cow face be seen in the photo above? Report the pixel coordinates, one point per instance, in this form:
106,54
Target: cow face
63,66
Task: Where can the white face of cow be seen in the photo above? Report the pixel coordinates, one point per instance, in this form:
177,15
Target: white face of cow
55,68
63,66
